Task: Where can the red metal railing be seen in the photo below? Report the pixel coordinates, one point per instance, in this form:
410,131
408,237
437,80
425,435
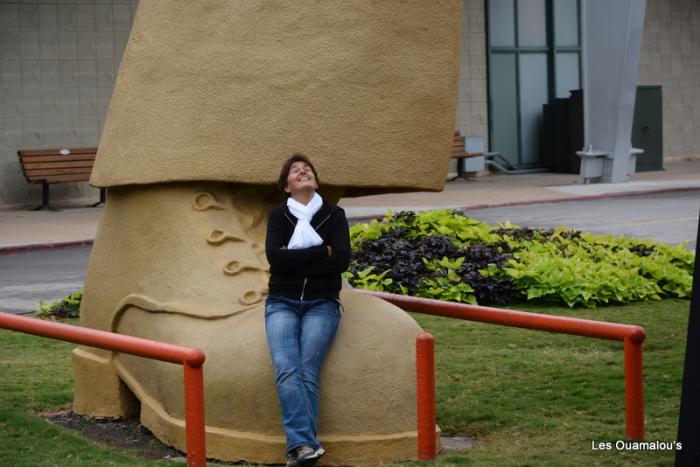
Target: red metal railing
191,359
632,337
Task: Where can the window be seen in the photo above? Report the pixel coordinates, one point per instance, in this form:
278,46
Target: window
534,56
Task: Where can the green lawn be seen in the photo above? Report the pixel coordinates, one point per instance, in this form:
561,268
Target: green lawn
534,398
525,397
36,377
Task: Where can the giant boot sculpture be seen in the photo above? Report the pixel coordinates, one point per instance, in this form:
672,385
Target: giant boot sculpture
211,97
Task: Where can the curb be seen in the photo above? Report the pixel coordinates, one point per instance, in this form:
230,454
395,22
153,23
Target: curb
32,248
622,194
356,219
36,247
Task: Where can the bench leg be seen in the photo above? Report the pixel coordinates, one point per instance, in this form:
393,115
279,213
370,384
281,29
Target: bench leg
460,170
45,205
103,198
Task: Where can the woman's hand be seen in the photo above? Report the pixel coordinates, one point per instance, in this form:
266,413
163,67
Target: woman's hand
330,250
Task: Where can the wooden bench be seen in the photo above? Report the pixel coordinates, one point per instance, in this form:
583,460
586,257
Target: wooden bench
459,153
49,166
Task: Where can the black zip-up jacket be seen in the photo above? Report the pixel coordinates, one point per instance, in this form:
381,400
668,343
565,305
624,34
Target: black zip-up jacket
307,273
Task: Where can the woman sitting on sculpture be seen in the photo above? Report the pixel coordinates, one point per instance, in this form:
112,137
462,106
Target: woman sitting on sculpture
308,247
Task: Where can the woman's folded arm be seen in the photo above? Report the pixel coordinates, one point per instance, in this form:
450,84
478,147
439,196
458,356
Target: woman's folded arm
283,259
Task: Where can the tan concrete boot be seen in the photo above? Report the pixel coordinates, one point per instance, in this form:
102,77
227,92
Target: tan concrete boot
185,264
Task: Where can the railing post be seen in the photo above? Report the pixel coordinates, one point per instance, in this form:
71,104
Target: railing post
194,415
425,396
634,389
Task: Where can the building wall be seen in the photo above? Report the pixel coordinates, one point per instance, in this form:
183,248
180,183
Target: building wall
670,57
59,59
58,62
472,106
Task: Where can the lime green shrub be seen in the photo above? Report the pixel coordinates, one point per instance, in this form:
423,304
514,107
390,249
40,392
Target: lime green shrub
448,256
66,307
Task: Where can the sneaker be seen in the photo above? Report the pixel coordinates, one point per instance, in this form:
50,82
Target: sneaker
304,456
292,459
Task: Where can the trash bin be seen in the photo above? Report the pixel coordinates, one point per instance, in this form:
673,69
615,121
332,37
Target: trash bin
562,131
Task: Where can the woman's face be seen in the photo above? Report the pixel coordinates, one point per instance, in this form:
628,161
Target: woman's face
300,178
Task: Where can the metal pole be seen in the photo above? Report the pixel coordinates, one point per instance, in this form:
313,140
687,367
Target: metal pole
634,389
425,396
194,415
513,318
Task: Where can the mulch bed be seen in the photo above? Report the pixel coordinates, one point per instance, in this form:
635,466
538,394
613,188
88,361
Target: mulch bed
126,435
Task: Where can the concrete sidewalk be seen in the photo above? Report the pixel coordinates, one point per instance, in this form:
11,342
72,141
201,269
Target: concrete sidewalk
21,230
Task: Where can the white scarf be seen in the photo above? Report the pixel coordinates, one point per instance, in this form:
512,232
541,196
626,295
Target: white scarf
304,235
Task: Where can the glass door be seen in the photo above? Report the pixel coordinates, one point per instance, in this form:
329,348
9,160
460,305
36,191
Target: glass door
533,57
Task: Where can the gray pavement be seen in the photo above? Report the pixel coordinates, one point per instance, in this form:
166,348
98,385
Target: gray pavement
666,217
26,278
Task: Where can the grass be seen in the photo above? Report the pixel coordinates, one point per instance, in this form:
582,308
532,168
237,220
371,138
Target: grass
525,397
36,377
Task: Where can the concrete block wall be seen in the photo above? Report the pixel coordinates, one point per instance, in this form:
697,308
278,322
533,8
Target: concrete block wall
58,63
670,56
472,105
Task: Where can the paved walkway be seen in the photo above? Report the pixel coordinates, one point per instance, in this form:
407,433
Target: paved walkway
21,229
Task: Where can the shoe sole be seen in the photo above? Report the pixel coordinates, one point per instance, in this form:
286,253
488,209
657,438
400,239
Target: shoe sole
311,460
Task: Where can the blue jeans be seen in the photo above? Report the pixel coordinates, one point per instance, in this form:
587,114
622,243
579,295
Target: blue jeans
299,334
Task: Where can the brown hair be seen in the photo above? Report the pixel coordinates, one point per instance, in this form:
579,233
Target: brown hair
287,166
